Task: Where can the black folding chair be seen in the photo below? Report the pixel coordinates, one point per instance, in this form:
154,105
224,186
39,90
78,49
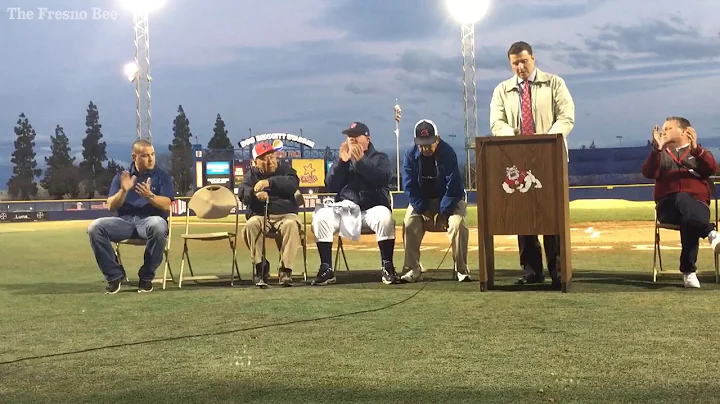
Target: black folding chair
657,257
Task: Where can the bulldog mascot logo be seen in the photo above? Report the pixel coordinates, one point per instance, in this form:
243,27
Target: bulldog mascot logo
519,180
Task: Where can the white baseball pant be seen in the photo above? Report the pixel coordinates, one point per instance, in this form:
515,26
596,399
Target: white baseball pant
326,223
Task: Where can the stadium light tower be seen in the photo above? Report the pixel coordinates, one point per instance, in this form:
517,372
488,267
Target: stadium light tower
468,13
139,71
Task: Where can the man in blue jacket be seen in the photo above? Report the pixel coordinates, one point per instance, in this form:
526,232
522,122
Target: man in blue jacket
142,198
432,180
361,177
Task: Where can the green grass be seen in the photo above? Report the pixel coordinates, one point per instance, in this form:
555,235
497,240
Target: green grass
617,338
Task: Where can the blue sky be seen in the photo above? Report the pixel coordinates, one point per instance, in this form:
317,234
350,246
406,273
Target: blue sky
281,65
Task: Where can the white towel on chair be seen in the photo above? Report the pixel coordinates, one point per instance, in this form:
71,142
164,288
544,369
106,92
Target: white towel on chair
350,218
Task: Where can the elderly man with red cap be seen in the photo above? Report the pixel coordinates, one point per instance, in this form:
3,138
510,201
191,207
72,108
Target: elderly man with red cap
269,183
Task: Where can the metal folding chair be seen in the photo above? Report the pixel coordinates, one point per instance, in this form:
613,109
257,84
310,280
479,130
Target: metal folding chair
211,202
140,242
422,268
274,233
340,249
657,257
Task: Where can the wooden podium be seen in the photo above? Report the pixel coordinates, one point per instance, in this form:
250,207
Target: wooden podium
522,189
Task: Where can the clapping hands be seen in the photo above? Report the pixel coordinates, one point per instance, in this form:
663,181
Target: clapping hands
692,137
143,188
351,150
658,138
356,151
344,152
126,181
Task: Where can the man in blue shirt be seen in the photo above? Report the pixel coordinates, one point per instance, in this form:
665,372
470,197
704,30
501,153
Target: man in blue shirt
142,199
432,180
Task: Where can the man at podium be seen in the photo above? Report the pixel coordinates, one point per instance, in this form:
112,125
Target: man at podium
532,102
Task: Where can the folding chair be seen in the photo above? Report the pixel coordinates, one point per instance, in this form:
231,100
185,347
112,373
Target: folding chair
274,234
435,230
140,242
657,258
211,202
364,230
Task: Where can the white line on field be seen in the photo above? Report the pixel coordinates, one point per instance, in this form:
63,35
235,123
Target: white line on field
14,230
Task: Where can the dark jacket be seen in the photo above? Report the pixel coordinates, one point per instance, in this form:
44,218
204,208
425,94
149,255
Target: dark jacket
365,182
672,173
449,181
284,182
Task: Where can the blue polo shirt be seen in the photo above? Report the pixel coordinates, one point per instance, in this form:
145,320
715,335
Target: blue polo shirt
161,184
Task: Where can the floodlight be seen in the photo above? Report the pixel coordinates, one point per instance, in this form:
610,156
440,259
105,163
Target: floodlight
468,11
142,6
131,70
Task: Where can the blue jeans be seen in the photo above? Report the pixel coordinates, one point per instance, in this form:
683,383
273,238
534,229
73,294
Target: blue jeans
104,231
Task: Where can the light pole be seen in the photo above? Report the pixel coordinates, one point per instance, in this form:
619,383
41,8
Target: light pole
139,70
398,115
468,13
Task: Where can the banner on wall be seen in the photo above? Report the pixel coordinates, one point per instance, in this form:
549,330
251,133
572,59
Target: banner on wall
23,216
310,171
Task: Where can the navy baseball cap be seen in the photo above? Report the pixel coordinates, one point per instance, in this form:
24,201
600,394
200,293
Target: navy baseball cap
426,132
357,129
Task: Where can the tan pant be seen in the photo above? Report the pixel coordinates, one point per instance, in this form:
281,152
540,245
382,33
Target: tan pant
287,229
457,233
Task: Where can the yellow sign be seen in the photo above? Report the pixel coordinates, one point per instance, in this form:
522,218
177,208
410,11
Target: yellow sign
310,171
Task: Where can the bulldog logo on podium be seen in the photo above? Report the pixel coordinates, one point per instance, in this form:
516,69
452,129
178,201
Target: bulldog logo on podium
519,180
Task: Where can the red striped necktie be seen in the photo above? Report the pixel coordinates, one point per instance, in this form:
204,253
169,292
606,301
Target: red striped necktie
527,118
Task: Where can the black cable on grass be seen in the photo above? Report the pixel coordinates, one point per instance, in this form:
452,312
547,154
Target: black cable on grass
217,333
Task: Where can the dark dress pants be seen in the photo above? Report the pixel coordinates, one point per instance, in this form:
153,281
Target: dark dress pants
531,259
693,217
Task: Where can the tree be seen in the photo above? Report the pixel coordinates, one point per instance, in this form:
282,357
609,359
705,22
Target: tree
181,150
164,161
94,151
22,184
62,177
220,139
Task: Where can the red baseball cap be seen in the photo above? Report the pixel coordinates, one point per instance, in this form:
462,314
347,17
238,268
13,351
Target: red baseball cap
262,148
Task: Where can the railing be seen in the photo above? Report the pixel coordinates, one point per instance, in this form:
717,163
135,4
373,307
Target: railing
311,200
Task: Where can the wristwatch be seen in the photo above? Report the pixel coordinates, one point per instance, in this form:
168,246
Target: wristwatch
151,196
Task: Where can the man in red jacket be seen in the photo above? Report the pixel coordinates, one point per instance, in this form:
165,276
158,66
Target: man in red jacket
681,168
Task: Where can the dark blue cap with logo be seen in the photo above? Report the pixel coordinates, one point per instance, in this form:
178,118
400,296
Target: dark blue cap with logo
357,129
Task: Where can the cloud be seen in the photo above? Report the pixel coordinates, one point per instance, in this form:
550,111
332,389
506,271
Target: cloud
384,21
656,41
416,20
354,89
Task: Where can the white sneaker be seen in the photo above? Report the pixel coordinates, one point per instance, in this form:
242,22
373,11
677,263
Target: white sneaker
690,280
463,277
412,275
714,240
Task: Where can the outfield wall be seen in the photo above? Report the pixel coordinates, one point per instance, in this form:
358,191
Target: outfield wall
32,211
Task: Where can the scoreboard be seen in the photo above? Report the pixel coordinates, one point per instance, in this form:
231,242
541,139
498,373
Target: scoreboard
218,173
